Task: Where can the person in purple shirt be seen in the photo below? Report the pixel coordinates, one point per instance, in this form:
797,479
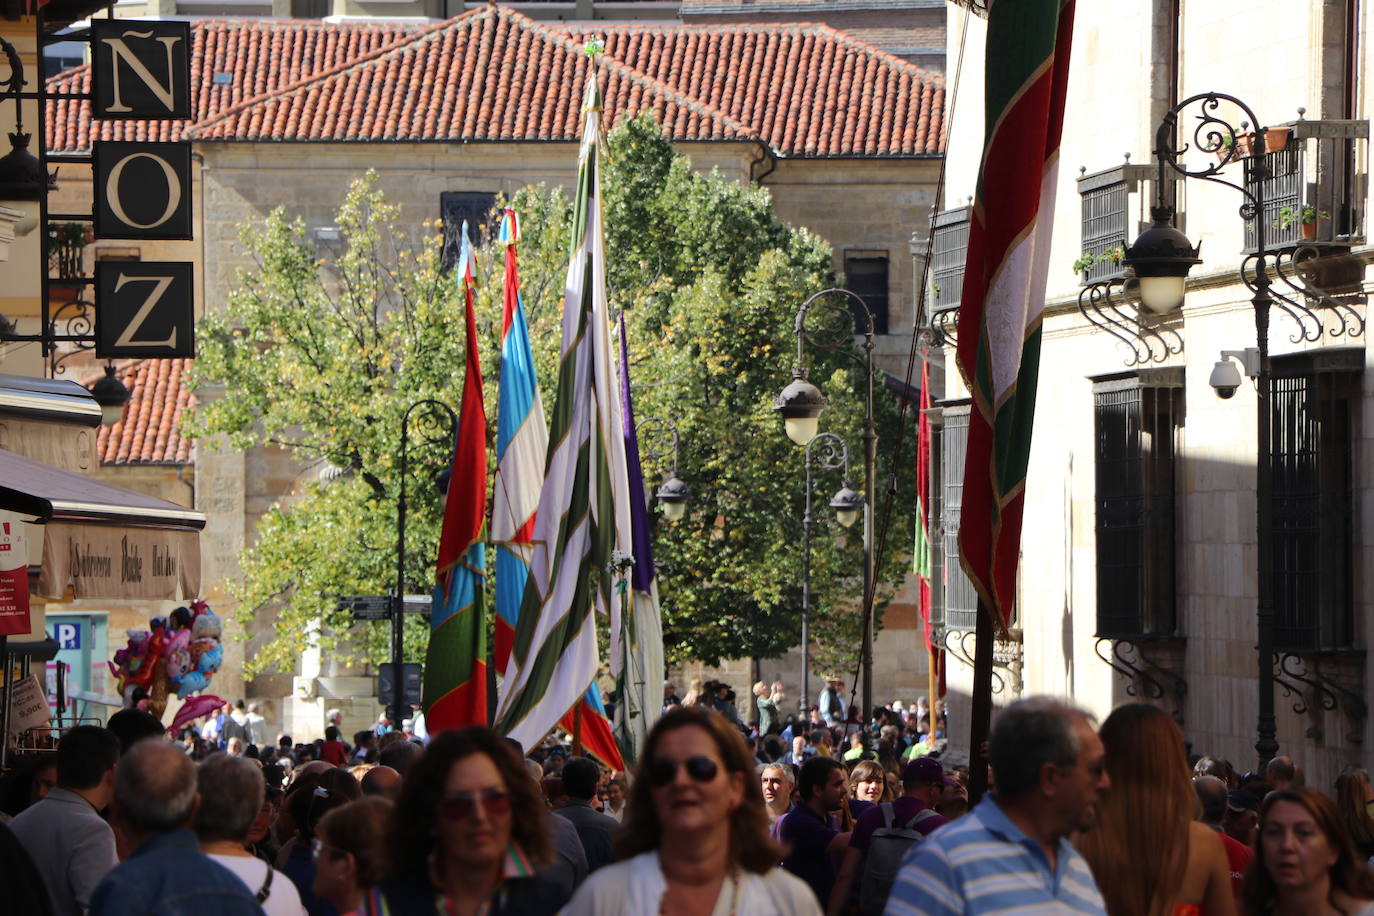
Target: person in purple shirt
809,832
923,781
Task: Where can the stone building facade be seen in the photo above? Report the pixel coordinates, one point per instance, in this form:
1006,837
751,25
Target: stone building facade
1139,555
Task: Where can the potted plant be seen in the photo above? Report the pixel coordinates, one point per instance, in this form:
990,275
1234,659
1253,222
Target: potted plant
1276,138
1306,216
1084,264
1235,145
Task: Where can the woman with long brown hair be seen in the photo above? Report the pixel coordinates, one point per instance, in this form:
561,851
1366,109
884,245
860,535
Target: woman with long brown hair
1148,852
696,792
1355,799
469,833
867,787
1304,862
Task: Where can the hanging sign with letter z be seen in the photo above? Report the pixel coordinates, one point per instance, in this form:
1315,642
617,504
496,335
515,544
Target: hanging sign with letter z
146,309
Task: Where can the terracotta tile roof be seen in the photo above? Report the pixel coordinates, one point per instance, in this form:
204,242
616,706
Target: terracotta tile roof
257,55
493,74
487,75
807,89
150,432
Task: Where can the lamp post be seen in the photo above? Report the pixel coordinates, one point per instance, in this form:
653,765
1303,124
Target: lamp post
1161,258
437,423
831,452
800,405
654,436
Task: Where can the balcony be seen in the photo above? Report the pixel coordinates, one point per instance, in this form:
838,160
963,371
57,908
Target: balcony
1108,226
949,248
1314,187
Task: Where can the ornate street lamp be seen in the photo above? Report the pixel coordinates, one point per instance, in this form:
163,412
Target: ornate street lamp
831,452
800,405
1162,257
654,434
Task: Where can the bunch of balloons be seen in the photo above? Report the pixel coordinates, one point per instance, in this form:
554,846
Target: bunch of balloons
177,653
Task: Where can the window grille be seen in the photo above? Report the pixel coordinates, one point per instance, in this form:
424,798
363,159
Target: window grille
1311,441
1136,421
949,247
1108,225
867,276
456,206
960,604
1314,187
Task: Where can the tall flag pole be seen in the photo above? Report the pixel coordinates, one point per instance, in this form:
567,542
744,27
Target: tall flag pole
455,680
522,440
581,531
1003,302
921,555
638,666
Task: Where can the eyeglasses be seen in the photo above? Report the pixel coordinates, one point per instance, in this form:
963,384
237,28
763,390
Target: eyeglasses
318,847
701,768
463,805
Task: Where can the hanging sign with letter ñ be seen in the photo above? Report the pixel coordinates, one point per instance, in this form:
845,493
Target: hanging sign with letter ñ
142,190
146,309
140,70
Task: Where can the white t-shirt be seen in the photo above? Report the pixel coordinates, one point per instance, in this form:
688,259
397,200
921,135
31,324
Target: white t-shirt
282,899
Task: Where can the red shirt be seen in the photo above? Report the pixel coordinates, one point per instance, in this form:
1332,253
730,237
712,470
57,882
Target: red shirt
1238,858
333,753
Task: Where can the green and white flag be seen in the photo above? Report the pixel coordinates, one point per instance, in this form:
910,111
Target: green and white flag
582,529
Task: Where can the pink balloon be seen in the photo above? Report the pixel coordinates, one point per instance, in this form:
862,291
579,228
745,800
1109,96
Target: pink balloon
194,708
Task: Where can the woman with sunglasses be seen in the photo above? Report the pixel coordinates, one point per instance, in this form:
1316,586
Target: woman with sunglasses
469,834
695,841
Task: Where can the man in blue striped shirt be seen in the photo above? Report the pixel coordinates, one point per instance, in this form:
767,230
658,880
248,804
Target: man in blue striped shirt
1012,854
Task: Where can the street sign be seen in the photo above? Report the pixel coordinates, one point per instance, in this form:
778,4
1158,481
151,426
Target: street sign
386,685
142,190
67,635
140,70
367,607
378,607
147,309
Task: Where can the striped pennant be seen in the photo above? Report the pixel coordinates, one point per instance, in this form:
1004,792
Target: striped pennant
582,528
455,678
638,665
522,440
1004,282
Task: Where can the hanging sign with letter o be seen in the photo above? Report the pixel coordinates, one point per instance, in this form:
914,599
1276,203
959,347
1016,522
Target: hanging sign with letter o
142,190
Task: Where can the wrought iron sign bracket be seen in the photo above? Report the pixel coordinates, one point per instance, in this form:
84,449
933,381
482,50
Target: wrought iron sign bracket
1142,673
1109,306
1316,691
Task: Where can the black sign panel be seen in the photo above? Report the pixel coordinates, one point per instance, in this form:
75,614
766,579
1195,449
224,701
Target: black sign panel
142,190
386,685
144,309
140,70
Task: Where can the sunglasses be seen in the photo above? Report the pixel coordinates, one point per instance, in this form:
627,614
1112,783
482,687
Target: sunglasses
700,768
463,805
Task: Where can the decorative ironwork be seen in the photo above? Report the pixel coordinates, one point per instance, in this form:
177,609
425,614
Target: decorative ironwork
1315,691
1303,298
1149,339
658,439
943,328
1143,673
1006,656
77,321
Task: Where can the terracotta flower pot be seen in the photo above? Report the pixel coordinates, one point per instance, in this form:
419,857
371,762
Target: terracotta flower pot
1276,139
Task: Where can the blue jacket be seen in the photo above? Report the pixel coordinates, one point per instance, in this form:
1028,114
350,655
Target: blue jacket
169,876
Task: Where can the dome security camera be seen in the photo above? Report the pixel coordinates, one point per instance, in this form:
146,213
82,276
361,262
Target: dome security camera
1225,379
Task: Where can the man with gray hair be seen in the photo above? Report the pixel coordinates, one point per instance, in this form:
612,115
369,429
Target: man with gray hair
155,799
1283,773
1211,795
1049,766
231,795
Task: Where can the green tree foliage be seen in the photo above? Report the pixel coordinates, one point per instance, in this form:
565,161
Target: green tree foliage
322,359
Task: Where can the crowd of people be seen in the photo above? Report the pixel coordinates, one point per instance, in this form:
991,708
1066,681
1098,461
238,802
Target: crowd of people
1113,820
